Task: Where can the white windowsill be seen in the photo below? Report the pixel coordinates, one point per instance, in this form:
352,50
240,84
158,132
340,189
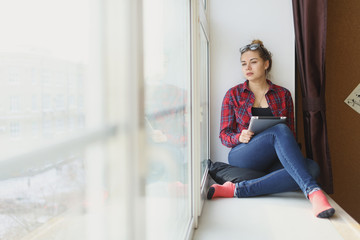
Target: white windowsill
278,216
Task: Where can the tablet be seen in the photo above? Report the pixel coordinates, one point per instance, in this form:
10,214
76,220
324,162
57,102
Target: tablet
260,123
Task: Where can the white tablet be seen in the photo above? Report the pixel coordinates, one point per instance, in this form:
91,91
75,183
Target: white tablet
260,123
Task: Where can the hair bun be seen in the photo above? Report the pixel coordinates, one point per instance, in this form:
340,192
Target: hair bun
257,41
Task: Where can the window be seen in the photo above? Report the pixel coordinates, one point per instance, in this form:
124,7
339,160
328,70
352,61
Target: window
14,129
167,116
74,120
204,101
54,135
14,104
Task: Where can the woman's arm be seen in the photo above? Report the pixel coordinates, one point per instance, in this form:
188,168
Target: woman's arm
229,134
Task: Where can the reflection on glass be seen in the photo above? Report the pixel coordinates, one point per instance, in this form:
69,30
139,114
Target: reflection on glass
43,67
167,81
204,102
30,201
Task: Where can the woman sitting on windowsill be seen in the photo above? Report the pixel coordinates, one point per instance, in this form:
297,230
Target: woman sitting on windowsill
274,150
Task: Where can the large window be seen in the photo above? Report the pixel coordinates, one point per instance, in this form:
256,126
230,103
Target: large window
53,131
167,115
96,120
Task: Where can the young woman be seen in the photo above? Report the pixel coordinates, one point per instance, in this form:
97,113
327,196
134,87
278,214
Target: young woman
275,150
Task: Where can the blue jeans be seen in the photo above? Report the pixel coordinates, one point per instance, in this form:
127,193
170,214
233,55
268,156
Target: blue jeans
276,151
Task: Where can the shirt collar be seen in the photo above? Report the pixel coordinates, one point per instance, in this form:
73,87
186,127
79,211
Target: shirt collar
246,85
271,85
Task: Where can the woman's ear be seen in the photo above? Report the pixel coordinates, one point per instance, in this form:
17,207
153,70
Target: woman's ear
266,64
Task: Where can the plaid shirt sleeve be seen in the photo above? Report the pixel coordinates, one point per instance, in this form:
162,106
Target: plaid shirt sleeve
229,133
290,112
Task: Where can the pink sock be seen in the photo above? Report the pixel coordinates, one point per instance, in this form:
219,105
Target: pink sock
321,206
225,190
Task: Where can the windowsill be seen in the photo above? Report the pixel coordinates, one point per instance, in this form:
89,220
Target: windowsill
277,216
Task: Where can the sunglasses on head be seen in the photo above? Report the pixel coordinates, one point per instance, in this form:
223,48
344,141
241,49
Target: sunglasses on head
252,47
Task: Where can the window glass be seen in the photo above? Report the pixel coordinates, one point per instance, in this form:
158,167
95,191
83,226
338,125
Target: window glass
44,64
167,113
43,60
204,100
33,200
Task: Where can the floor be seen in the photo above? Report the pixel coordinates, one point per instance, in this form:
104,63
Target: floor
278,216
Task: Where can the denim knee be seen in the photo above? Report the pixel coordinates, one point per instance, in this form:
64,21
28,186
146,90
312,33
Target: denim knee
281,127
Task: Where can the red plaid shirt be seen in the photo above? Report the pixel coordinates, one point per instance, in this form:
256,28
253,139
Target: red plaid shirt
236,110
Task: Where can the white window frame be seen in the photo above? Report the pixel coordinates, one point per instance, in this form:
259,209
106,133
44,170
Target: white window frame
199,20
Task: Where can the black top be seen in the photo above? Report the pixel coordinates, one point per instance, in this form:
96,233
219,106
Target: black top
261,111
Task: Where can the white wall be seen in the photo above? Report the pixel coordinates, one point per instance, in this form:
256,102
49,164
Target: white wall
233,24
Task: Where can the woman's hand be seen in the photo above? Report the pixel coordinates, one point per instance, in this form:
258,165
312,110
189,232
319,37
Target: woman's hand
245,136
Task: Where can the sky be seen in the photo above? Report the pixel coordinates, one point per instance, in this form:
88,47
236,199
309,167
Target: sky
52,27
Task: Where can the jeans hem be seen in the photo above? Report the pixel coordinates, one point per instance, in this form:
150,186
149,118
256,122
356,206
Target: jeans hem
311,191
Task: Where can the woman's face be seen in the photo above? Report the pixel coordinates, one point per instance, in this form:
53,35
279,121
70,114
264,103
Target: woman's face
253,66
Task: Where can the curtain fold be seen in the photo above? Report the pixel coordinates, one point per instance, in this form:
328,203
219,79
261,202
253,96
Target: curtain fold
310,19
